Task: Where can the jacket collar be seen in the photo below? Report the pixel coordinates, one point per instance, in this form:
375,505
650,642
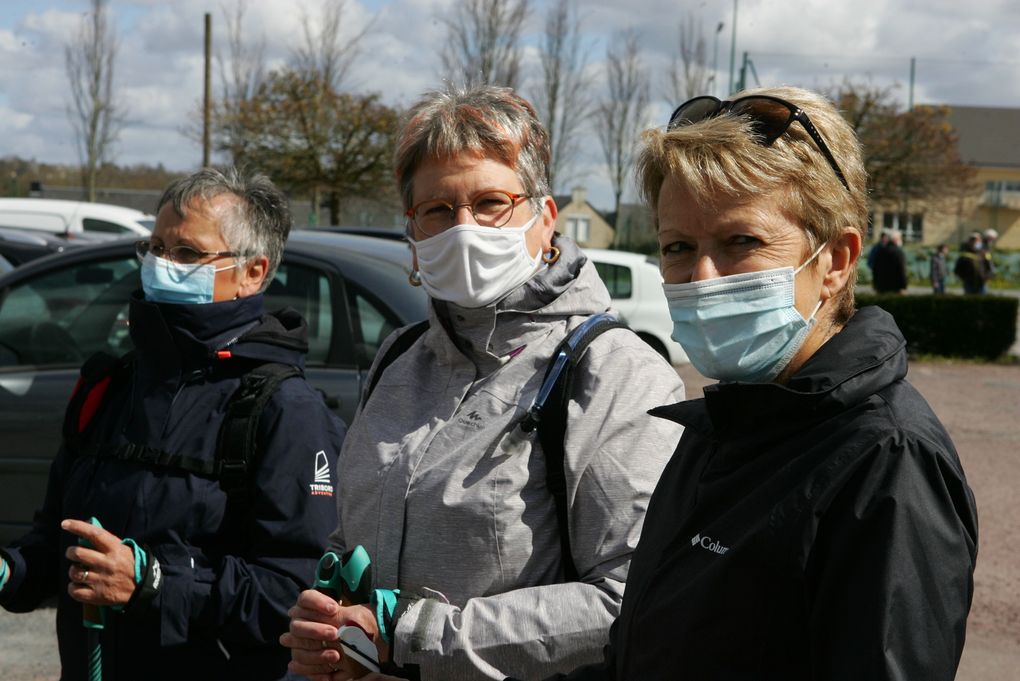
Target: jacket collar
865,357
191,335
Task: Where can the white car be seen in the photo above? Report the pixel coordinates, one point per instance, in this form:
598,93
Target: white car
72,219
635,285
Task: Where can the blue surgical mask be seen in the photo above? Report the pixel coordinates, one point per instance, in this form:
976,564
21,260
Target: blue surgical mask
742,327
165,281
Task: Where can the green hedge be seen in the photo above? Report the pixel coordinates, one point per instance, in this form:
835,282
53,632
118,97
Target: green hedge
951,325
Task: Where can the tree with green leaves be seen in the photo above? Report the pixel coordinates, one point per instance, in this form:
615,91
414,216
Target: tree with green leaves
310,138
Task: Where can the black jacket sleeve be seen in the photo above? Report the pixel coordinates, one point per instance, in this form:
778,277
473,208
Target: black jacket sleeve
34,559
890,575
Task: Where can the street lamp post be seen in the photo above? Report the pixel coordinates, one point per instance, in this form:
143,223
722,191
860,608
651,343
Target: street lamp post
715,58
733,45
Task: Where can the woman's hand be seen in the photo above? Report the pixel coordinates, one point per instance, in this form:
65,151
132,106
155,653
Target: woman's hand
103,574
312,639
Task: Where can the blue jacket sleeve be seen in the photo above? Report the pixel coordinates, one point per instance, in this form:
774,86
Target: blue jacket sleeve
243,596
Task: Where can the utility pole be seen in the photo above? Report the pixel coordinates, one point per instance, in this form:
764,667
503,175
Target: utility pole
910,104
733,45
207,102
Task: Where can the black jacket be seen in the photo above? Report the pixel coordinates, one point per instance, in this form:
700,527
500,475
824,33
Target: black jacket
889,269
818,530
228,577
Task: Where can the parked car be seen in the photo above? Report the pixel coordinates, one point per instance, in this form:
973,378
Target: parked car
58,310
395,233
635,285
75,219
19,246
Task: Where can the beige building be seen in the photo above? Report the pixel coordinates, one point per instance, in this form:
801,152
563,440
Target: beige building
989,140
579,220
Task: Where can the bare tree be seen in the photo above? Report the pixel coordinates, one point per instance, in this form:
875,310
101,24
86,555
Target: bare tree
89,59
241,72
482,43
322,53
563,99
621,114
689,74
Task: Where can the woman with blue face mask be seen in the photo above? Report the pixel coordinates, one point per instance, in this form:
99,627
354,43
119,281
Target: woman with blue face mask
814,521
442,482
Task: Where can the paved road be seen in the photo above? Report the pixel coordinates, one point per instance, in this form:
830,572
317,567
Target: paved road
980,405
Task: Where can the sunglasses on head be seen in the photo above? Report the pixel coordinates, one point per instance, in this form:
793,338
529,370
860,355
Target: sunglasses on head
770,117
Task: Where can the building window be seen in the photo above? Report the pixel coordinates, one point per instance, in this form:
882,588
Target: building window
579,229
910,224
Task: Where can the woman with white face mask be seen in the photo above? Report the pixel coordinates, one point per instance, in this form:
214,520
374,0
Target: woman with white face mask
440,482
814,521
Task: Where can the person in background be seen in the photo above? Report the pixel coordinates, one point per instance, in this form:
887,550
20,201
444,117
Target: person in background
990,238
442,485
970,265
815,521
937,269
194,568
889,269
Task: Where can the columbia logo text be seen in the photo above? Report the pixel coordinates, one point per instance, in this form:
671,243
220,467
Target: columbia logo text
709,544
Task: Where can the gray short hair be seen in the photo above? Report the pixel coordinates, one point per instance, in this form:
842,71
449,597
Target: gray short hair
485,120
259,222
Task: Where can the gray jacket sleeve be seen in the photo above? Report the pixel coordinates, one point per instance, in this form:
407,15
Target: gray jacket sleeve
614,453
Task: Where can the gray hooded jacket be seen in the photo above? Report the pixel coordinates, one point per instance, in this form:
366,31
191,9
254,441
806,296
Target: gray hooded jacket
448,495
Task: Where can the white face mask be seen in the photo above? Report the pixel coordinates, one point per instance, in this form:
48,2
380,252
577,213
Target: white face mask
474,266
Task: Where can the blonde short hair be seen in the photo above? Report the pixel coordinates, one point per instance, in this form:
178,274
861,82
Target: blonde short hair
720,160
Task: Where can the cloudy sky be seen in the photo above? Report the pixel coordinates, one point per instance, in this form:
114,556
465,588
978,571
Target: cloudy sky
967,53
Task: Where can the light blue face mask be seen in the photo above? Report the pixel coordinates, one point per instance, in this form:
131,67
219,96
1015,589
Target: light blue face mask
742,327
165,281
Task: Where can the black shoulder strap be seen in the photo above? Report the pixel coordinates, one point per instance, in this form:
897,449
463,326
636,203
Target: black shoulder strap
549,415
237,439
399,346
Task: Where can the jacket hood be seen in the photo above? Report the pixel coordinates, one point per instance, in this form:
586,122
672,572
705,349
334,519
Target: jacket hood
193,334
570,286
865,357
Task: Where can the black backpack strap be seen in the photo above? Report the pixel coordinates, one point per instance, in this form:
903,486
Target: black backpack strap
549,414
399,346
238,434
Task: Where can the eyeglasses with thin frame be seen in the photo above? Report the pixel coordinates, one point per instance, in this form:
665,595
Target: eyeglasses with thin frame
490,208
183,255
770,117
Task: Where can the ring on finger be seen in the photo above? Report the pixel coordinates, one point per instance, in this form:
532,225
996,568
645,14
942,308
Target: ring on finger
324,646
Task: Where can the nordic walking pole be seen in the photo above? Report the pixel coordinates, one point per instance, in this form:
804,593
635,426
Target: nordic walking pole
93,618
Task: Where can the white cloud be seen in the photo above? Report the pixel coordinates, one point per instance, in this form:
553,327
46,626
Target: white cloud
967,53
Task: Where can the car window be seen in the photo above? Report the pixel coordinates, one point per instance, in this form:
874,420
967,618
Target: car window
94,225
307,290
617,279
61,317
373,322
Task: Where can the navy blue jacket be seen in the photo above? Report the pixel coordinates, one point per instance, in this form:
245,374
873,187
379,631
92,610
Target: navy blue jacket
228,578
821,529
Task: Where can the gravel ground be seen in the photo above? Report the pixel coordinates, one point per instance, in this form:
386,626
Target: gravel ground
980,406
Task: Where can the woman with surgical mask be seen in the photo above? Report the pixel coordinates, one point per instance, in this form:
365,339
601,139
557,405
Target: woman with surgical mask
440,482
814,521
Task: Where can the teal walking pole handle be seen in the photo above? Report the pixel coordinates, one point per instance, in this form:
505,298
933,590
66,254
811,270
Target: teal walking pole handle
93,617
347,578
